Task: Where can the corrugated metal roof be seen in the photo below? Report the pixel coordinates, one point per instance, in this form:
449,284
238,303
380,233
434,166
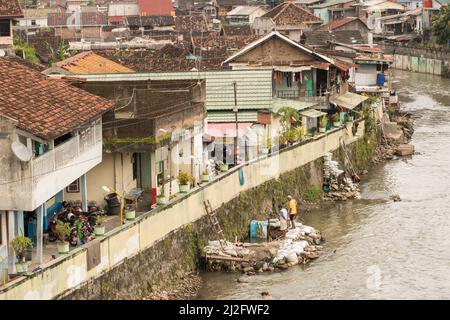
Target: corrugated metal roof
348,100
312,113
254,87
228,116
242,11
291,103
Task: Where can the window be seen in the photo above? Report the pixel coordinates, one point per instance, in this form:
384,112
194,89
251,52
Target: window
379,67
161,169
5,28
33,22
74,187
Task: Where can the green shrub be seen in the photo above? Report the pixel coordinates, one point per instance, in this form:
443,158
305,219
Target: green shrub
185,178
312,194
20,245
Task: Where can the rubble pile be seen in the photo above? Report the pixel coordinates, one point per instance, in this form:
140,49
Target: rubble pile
341,186
185,288
300,245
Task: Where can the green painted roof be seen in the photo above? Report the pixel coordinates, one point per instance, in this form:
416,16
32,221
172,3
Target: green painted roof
254,87
228,116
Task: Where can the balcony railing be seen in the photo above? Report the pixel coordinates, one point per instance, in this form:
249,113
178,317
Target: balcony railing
63,154
295,94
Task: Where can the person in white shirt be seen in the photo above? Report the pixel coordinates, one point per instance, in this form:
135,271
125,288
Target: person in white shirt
283,220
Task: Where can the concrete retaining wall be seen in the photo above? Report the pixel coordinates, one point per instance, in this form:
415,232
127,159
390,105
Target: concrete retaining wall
127,251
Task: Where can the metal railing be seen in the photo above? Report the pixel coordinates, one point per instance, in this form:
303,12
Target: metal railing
295,94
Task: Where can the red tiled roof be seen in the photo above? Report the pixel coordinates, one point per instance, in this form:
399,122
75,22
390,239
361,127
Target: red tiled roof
338,23
88,62
45,107
10,8
288,13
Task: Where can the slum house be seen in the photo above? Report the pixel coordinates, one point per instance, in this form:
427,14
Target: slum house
303,79
347,24
154,133
9,11
374,9
50,136
240,30
226,6
244,15
118,11
288,18
335,10
323,39
412,21
79,26
36,18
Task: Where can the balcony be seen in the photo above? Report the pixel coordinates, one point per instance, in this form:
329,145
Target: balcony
295,95
52,171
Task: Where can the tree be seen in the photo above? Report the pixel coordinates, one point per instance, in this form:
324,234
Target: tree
441,25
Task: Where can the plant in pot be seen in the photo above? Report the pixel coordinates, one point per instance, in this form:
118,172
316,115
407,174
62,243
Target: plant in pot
336,120
130,213
63,231
267,145
184,181
350,117
291,135
99,228
205,175
323,124
21,245
161,198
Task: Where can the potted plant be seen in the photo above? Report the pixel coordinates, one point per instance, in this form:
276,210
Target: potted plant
184,181
99,228
130,213
336,120
223,167
21,245
350,117
205,175
63,231
323,124
267,145
161,199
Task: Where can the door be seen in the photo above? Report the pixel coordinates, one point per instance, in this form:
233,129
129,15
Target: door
309,84
145,181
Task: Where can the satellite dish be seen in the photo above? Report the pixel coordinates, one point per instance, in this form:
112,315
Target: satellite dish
21,151
2,53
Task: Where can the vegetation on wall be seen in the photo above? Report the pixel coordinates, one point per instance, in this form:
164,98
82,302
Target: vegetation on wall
441,25
28,52
365,147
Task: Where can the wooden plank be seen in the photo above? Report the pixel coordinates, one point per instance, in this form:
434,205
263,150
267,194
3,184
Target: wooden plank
225,258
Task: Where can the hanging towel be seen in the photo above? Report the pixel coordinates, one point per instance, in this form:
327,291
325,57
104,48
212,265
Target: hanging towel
301,77
93,255
241,177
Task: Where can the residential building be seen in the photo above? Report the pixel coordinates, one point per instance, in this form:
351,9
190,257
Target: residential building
50,136
288,18
335,10
226,6
9,10
155,131
347,24
412,21
323,39
244,15
36,18
372,10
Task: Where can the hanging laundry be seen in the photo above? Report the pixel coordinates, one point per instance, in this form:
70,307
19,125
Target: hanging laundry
301,77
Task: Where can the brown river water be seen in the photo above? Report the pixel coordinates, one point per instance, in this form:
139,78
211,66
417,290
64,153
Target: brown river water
377,248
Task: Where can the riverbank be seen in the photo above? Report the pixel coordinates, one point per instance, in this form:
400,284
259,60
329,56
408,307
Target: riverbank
378,248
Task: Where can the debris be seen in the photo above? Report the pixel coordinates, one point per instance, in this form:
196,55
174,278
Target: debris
299,246
396,198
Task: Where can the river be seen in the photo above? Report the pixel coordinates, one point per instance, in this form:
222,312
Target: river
377,248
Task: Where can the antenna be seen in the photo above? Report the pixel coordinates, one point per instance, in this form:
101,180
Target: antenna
21,151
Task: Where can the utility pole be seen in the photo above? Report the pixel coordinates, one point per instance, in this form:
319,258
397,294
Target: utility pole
235,110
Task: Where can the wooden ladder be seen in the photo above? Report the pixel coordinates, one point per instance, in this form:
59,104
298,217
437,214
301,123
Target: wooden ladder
214,221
